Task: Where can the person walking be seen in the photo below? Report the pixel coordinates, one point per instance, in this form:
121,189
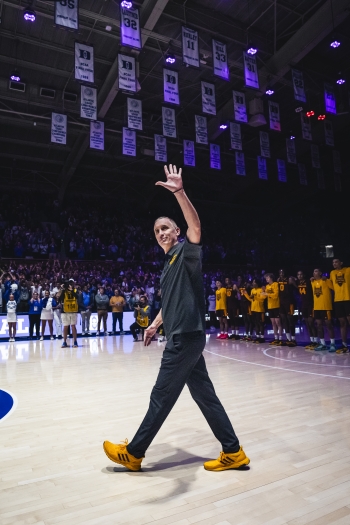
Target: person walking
183,315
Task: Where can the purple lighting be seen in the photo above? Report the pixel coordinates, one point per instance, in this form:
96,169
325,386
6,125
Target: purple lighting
126,4
292,137
269,91
170,59
341,81
223,126
335,44
15,78
252,51
29,15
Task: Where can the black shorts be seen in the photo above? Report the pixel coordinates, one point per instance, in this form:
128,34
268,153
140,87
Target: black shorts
324,315
245,308
342,309
258,317
307,311
286,309
220,313
232,312
274,313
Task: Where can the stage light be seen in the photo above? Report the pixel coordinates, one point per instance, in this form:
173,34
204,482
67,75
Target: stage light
126,4
335,44
170,58
223,126
29,15
252,51
341,81
269,91
292,137
321,117
15,76
310,113
299,109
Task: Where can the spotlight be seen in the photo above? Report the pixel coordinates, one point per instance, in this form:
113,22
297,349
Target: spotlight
29,15
299,109
126,4
170,58
108,28
341,81
269,91
335,44
223,126
252,50
310,113
321,117
15,76
292,137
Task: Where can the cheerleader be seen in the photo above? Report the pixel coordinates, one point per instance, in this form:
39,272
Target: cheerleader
47,314
12,317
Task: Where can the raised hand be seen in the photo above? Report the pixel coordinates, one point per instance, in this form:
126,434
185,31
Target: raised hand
174,179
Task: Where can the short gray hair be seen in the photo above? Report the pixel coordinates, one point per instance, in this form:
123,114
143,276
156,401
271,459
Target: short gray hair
169,219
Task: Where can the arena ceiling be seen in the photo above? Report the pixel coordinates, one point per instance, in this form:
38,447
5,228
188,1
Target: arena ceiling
286,32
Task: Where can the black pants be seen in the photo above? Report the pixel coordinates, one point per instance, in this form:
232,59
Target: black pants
34,320
183,363
117,316
135,328
258,321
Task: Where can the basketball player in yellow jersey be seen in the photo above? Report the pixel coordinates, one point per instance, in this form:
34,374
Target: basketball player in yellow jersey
273,306
340,278
258,310
322,296
221,309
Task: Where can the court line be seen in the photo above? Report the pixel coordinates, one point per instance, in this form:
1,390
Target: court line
14,406
300,362
274,367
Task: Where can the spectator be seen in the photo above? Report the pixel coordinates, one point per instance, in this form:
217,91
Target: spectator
57,317
34,315
117,303
52,249
86,303
47,314
12,317
24,296
102,303
69,301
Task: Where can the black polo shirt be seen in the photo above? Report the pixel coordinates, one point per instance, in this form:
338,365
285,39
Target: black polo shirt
183,302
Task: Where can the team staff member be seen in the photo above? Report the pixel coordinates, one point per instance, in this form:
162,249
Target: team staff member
232,308
245,309
340,278
321,287
273,306
258,310
183,315
69,299
117,303
286,306
306,302
221,309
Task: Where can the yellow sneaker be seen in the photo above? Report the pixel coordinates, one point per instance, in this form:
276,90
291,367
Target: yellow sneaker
119,454
227,461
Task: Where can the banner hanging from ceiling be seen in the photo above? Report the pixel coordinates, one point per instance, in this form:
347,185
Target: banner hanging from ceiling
262,168
127,73
321,183
315,156
190,47
337,162
189,153
88,102
265,144
302,174
328,132
58,128
129,142
134,113
171,86
220,63
130,27
275,119
97,135
84,62
201,129
67,14
235,136
329,98
298,85
160,148
291,151
239,107
240,163
251,76
305,127
215,160
281,170
208,98
169,122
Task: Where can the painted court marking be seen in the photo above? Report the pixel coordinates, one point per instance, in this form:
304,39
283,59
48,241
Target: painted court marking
14,405
301,362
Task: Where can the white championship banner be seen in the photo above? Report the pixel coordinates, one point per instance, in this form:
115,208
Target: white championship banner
134,113
329,99
130,27
88,102
235,136
97,135
215,160
127,73
262,168
129,142
84,62
291,151
220,63
328,132
239,106
201,127
190,47
275,118
251,76
160,149
298,85
58,128
171,86
302,174
305,127
67,14
281,170
208,98
337,162
315,156
189,153
240,163
169,122
321,183
264,144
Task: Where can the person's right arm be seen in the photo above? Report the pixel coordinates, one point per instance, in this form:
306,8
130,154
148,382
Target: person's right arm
151,330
